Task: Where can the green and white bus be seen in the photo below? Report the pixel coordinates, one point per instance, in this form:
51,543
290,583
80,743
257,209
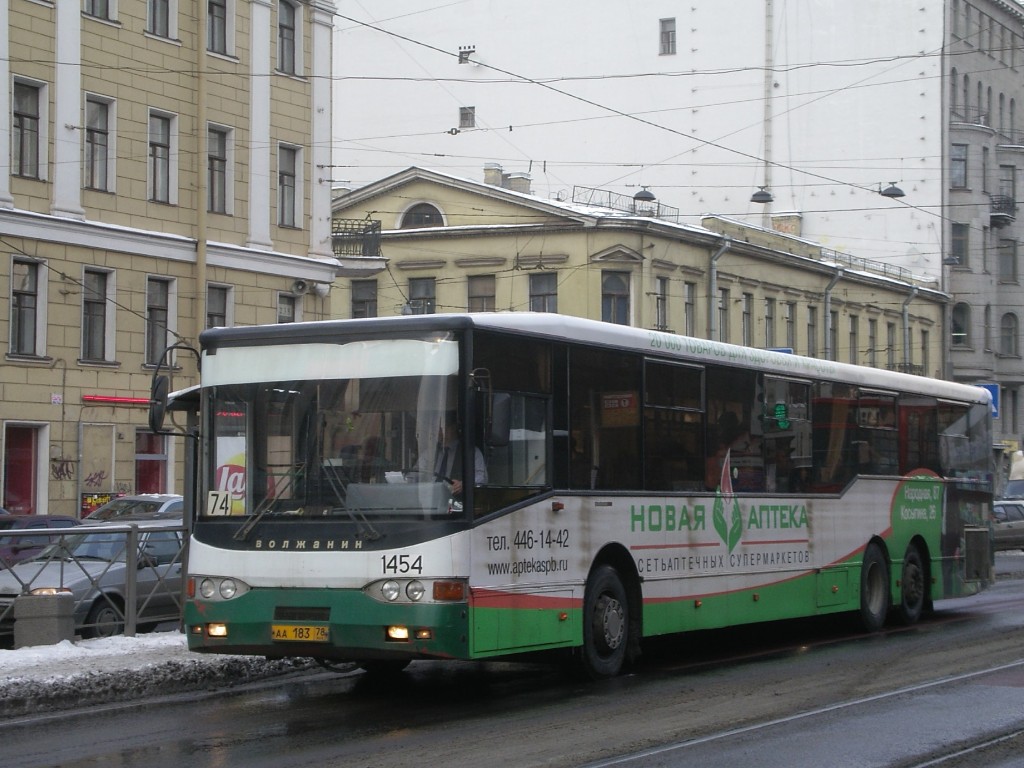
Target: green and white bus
620,483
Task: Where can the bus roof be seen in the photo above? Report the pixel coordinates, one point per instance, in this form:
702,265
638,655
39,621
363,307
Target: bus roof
593,332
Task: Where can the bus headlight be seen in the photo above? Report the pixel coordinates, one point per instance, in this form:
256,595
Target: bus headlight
216,587
228,589
391,590
207,588
414,590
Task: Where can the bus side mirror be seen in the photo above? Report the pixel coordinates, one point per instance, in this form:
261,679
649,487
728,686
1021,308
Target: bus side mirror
500,423
158,402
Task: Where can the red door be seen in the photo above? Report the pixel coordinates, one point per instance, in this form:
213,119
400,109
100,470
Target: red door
20,470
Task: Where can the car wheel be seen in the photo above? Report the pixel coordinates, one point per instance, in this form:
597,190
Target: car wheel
105,619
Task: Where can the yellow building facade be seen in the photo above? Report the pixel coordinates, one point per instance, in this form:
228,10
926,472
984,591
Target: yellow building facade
160,179
454,244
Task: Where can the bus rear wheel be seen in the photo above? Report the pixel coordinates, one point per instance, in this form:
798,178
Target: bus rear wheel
605,624
912,586
874,589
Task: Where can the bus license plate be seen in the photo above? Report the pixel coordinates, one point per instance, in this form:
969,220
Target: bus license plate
300,633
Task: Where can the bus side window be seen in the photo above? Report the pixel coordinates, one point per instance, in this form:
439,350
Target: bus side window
731,400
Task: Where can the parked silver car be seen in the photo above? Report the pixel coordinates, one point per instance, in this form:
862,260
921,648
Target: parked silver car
139,505
1008,524
98,565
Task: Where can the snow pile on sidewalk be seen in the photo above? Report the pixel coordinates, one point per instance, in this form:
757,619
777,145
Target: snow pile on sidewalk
93,672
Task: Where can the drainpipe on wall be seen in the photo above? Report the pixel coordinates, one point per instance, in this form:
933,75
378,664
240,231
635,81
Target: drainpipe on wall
829,352
906,329
713,287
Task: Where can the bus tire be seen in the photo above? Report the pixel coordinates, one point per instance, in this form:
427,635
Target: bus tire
913,590
606,624
874,589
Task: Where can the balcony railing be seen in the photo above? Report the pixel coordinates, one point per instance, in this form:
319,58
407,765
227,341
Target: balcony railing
1002,210
970,116
356,237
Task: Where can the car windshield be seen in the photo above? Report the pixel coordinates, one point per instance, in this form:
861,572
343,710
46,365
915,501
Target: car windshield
94,546
121,507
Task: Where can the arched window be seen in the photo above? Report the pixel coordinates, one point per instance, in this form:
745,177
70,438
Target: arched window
967,97
1002,113
1008,344
421,215
954,93
961,324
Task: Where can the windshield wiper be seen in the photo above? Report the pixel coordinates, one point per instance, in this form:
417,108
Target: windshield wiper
264,508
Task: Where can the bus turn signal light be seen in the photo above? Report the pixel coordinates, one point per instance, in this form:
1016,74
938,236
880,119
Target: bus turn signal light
452,591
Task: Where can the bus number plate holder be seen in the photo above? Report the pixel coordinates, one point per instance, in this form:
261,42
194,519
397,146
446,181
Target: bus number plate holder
299,633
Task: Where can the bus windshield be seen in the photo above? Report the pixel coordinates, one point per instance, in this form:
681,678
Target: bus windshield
353,431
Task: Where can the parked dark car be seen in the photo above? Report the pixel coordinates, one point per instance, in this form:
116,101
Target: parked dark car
16,546
1008,524
140,506
92,564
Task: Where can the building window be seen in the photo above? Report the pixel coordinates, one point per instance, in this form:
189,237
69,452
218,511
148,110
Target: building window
1008,181
25,144
960,323
769,323
159,18
422,296
99,9
287,25
481,293
218,303
94,315
25,308
854,339
544,292
690,309
217,169
150,462
1008,333
286,308
812,331
958,166
873,343
890,350
926,359
661,304
667,37
959,244
421,215
615,297
364,298
748,320
158,318
1008,261
287,180
97,144
723,314
217,26
790,321
467,117
160,168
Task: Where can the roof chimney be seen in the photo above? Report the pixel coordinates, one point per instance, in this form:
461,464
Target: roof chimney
492,174
518,182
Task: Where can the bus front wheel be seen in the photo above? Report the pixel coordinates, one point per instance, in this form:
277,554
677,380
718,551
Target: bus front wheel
912,586
874,589
605,624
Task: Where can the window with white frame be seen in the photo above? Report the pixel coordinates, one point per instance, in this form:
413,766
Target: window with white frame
289,29
218,306
220,169
544,292
724,331
769,322
854,339
890,346
615,297
159,317
747,329
219,26
28,140
690,308
812,331
467,117
163,158
27,307
661,289
97,315
873,342
99,144
162,18
101,9
289,205
1009,346
667,37
422,295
